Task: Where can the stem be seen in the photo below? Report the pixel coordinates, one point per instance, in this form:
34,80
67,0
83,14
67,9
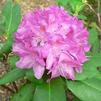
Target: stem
91,8
49,92
99,19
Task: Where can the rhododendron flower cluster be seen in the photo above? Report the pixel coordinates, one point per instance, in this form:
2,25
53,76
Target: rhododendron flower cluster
51,39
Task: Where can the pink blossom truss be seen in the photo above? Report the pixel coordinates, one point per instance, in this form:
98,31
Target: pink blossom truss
51,39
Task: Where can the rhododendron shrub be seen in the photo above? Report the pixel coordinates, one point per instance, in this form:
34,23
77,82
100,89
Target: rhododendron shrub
51,53
51,39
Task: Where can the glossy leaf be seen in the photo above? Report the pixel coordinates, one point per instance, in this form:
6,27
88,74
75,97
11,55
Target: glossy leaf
94,41
82,17
6,47
77,5
30,76
96,47
76,99
53,91
12,15
87,90
24,94
11,76
2,28
93,36
12,61
62,2
90,68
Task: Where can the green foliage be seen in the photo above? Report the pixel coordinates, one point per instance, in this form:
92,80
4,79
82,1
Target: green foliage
87,85
6,47
96,47
77,6
62,2
74,6
51,91
12,61
12,16
11,76
86,90
94,41
2,28
90,68
93,36
30,77
24,94
76,99
11,13
82,17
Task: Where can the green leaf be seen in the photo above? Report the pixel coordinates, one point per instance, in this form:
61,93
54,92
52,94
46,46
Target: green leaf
94,41
11,76
2,28
93,36
30,76
12,61
53,91
12,15
87,90
96,47
90,68
82,17
6,47
77,6
98,76
76,99
62,2
25,93
95,26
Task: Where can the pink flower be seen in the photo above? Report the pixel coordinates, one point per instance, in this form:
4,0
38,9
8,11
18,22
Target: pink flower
51,39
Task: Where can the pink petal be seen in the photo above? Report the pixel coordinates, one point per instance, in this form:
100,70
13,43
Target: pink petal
49,61
38,71
25,62
19,49
78,69
66,71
